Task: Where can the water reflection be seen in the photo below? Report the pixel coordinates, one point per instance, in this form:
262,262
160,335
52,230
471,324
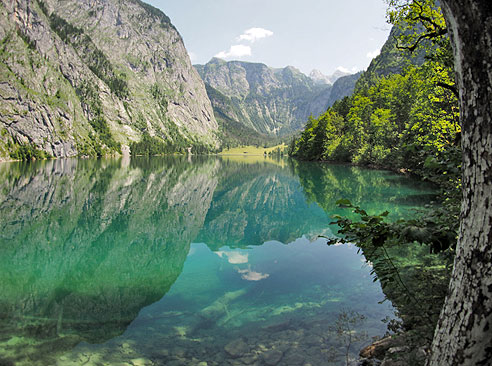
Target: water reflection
376,191
258,202
85,245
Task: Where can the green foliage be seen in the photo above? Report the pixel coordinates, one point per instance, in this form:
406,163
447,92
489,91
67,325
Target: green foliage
422,19
90,147
150,146
27,152
404,121
232,132
179,142
66,31
437,229
140,123
277,153
153,145
403,115
89,98
101,127
160,96
43,7
415,282
99,64
370,230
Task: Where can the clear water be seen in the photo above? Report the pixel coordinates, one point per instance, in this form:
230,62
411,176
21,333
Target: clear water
187,261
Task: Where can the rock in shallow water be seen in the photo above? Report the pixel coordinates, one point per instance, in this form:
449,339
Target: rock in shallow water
272,357
237,348
141,362
293,359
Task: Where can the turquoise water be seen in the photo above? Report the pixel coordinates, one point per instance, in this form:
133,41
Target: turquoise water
187,261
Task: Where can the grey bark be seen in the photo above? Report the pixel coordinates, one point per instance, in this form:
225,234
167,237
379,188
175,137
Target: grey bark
464,333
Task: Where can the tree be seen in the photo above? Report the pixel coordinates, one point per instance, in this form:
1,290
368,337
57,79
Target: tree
464,332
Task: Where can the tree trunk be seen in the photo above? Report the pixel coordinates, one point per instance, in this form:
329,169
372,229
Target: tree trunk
464,333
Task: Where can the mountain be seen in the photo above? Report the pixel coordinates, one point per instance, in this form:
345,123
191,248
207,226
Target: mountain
229,115
391,60
253,102
320,78
270,101
343,87
84,77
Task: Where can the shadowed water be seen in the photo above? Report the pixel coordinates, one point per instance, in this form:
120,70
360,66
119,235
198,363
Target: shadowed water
186,261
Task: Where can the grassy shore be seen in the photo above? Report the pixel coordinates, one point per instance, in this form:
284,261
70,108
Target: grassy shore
253,150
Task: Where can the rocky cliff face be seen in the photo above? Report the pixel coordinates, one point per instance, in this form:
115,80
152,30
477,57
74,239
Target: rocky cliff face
269,101
87,76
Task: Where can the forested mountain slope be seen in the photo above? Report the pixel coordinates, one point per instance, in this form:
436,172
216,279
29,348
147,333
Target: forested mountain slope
402,115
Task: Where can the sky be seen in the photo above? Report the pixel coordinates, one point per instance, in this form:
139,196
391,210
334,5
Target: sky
308,34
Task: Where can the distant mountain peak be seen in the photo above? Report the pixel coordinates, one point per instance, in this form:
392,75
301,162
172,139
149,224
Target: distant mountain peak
319,78
254,98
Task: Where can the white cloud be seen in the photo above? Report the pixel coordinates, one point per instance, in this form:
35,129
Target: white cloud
234,257
373,54
353,70
235,51
241,50
249,275
343,69
254,34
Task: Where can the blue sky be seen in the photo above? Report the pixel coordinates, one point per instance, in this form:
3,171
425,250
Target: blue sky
306,34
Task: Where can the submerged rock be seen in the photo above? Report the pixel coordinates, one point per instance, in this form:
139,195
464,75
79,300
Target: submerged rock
237,348
272,357
141,362
294,359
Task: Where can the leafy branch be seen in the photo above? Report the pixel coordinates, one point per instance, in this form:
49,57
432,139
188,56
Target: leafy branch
374,235
422,15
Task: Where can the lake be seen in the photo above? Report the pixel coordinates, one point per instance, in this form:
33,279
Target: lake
188,261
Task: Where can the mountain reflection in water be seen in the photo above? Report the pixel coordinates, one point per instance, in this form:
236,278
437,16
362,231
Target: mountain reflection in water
85,245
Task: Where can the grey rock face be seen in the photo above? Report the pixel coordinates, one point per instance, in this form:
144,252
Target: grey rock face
67,65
